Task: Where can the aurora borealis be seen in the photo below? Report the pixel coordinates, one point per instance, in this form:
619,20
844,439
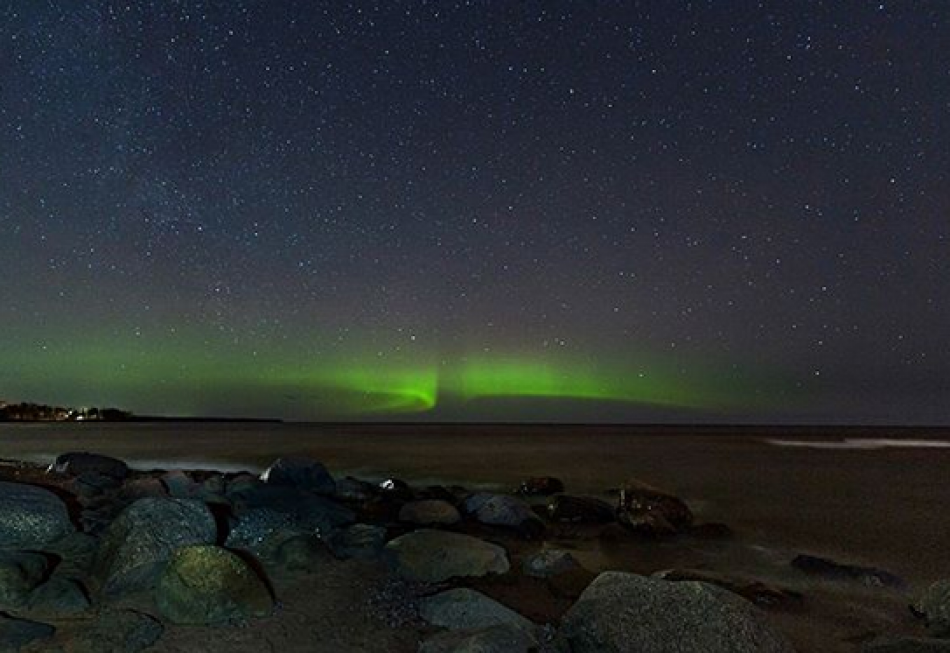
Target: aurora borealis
477,210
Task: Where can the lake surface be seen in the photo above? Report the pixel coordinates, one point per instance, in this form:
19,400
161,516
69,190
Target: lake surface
875,497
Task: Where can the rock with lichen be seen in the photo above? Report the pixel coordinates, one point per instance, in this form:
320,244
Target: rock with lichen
436,556
209,585
31,517
628,613
136,546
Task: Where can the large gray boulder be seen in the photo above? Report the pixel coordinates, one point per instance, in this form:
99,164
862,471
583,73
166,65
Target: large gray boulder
79,463
934,606
137,545
463,608
504,510
260,531
308,513
627,613
436,556
31,517
301,473
504,638
209,585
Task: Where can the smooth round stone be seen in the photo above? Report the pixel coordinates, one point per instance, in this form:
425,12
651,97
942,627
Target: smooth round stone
208,585
31,517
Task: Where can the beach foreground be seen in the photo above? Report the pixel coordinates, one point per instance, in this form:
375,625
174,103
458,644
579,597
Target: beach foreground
297,559
337,563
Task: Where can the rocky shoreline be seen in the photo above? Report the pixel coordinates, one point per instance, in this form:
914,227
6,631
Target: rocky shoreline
97,557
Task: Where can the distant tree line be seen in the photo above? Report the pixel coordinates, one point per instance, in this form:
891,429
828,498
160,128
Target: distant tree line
30,412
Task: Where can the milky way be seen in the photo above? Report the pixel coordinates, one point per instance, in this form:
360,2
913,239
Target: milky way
727,211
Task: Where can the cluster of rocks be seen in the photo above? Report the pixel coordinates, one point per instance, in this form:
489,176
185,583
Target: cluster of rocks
204,548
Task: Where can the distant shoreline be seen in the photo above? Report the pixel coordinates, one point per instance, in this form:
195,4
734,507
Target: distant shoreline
147,419
800,430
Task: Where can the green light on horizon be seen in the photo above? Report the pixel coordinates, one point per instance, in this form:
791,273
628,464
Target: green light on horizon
481,379
361,389
193,374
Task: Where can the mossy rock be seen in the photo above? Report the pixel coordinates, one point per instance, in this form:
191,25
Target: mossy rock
208,585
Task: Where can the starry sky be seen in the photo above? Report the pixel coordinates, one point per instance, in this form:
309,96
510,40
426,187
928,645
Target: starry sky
726,211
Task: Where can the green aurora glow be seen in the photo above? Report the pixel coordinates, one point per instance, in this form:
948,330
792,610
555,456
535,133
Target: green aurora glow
190,375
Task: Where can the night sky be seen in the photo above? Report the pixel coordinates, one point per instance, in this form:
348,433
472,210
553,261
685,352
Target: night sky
689,211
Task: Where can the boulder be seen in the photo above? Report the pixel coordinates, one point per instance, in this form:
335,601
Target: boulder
180,485
31,517
17,634
301,473
648,511
59,597
504,510
627,613
429,511
463,608
934,607
541,486
308,513
20,573
260,531
436,556
355,490
81,463
209,585
358,541
766,596
136,546
116,631
549,562
892,644
832,570
493,639
582,510
242,482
